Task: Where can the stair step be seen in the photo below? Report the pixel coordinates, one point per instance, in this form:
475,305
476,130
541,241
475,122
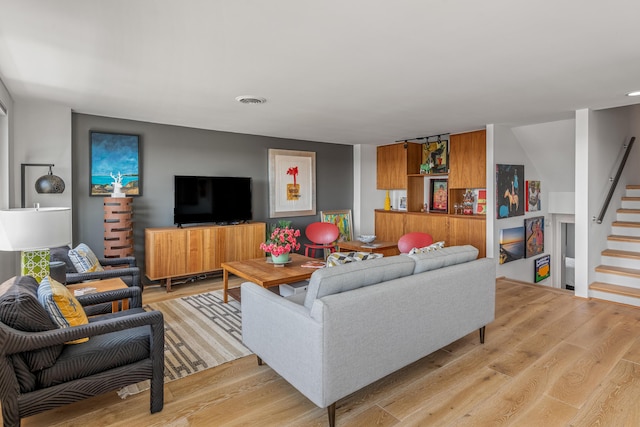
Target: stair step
621,271
630,199
628,211
620,238
615,289
621,254
633,187
632,224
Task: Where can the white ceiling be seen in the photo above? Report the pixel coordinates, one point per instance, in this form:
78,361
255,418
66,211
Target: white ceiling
342,71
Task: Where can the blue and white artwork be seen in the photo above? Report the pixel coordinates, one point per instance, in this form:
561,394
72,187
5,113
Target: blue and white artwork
115,156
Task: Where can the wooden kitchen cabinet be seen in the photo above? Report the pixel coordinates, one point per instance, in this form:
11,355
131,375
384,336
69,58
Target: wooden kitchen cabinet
467,160
395,162
468,230
389,225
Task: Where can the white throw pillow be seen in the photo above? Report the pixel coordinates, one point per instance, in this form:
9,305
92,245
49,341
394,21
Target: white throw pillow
432,247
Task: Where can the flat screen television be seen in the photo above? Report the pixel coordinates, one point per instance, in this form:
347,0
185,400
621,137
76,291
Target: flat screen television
211,199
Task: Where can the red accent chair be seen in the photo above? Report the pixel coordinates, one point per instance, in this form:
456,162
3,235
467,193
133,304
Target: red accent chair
323,235
414,240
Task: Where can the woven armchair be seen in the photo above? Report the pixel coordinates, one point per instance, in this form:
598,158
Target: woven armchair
124,268
38,371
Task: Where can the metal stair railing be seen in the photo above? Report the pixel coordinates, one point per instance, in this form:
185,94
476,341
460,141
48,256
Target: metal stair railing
614,182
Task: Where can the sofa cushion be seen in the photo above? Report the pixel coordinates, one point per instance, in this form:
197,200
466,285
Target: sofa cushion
432,247
63,308
20,309
84,260
339,258
61,253
101,353
343,278
443,258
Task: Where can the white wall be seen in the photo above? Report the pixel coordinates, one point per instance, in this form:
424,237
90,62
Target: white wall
42,134
366,197
8,260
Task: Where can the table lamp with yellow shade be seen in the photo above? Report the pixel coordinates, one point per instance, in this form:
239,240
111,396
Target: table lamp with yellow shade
33,231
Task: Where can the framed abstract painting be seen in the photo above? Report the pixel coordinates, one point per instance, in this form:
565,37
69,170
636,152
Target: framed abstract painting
292,183
115,155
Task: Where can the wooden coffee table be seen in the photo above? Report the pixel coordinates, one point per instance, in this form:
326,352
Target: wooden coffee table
384,248
265,274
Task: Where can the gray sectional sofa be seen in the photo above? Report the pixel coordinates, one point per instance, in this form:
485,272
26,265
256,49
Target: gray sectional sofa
362,321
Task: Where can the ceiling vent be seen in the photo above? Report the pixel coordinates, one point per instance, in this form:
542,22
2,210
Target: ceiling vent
248,99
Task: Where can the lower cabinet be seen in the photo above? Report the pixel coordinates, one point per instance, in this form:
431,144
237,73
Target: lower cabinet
454,230
172,252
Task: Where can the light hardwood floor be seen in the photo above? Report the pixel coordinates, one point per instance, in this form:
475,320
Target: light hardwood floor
549,359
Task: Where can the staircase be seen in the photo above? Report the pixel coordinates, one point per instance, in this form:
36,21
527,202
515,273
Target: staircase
618,277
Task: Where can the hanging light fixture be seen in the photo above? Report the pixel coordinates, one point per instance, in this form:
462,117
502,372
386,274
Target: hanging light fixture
46,184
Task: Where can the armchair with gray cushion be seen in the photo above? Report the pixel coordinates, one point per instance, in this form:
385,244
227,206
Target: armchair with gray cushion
38,371
126,268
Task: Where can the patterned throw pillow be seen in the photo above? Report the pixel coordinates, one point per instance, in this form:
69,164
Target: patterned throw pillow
432,247
84,260
339,258
63,308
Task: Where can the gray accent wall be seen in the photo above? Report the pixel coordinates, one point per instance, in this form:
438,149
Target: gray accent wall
173,150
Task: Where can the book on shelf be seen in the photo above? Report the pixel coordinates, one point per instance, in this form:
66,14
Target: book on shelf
313,264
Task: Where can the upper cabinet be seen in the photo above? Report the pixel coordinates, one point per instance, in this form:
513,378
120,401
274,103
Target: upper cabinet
395,162
467,160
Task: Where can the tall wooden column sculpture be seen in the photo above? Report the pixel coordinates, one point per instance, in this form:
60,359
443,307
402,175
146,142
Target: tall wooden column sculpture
118,227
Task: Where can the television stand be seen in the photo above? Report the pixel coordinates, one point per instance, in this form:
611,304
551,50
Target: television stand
172,252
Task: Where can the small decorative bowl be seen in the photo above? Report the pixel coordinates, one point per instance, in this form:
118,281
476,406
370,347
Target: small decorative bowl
367,238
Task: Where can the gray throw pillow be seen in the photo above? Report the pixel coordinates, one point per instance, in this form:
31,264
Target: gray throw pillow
20,309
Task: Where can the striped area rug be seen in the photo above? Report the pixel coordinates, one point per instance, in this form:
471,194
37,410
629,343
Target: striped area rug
200,332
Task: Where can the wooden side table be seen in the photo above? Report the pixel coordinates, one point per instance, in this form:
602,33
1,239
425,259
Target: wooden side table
103,286
384,248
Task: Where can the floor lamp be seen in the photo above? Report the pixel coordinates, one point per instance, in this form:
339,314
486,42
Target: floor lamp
33,231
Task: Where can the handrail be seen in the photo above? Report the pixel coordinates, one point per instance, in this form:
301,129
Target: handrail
615,181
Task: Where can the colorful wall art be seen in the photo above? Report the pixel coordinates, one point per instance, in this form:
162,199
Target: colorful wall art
532,189
510,198
511,244
534,236
542,268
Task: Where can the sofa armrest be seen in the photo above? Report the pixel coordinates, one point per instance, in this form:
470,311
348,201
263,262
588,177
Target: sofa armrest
283,335
134,293
19,341
127,260
130,275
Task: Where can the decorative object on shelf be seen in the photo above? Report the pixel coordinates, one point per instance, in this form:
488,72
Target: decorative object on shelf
46,184
367,238
511,244
439,195
435,156
292,183
532,189
481,206
342,219
387,202
117,185
467,202
510,199
282,240
542,268
112,151
403,203
534,236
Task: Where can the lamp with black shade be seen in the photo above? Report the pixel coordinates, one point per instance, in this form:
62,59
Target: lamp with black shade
33,231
